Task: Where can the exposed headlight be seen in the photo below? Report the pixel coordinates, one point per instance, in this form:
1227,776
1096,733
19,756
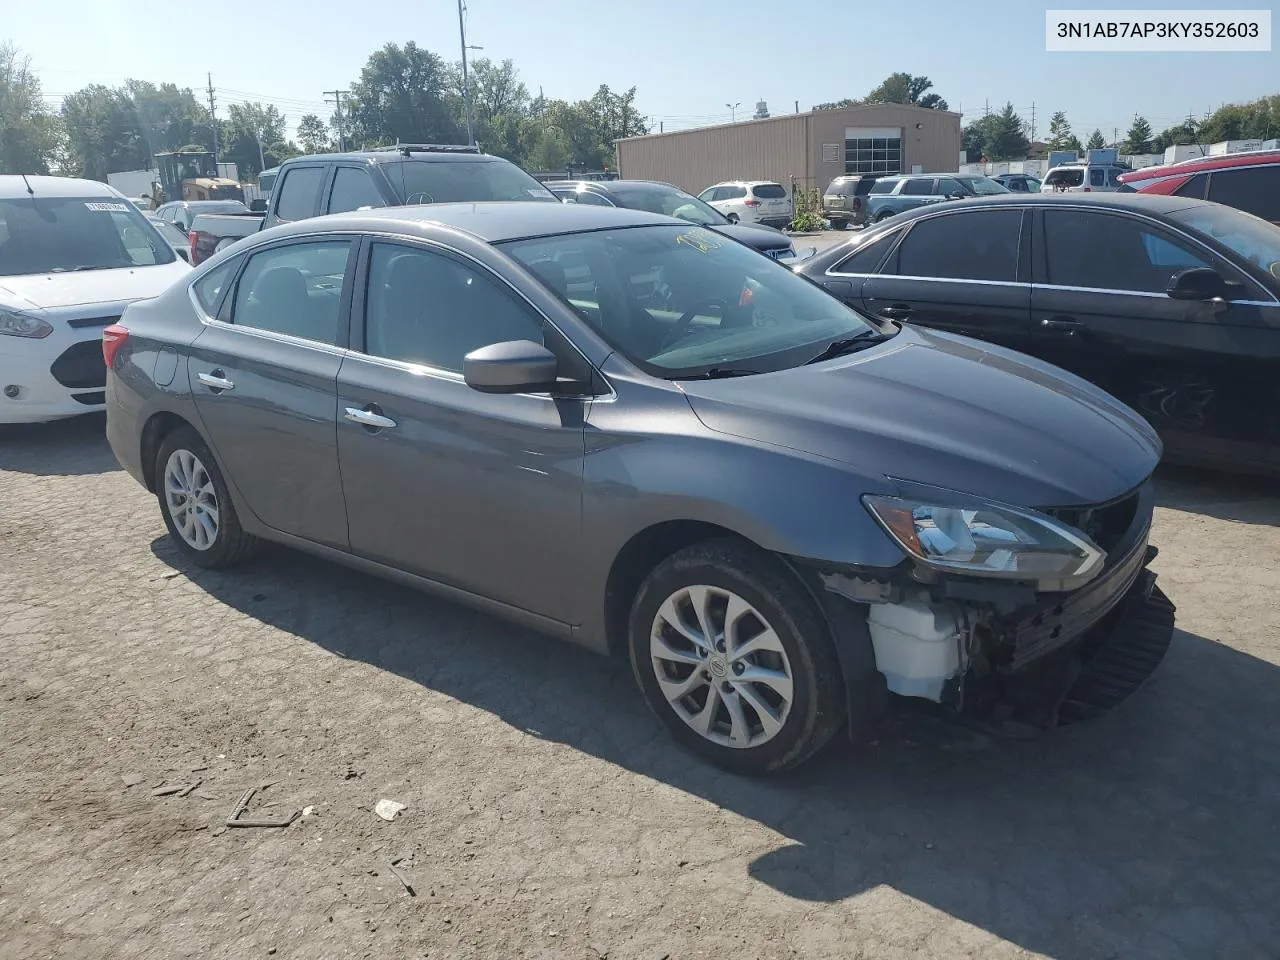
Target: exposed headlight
14,324
985,539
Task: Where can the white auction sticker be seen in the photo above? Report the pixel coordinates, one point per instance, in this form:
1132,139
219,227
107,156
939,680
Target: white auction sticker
1157,31
108,207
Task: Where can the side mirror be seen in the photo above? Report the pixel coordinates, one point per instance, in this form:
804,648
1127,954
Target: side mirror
1197,283
517,366
955,195
258,206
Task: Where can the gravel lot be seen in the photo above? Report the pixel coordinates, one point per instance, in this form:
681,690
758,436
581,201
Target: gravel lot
547,814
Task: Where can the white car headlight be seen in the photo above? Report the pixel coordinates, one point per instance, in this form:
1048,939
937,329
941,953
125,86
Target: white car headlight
15,324
985,539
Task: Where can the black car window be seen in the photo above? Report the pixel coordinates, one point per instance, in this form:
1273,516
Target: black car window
297,193
1065,178
457,180
976,245
883,186
424,307
732,193
769,191
209,288
868,256
1109,252
294,289
917,188
1097,176
589,198
353,188
947,187
1193,188
1254,190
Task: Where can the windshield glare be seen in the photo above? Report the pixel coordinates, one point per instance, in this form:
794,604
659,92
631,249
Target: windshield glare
680,301
669,202
1250,237
444,181
56,234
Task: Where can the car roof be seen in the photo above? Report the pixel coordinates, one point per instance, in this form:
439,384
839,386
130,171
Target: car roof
745,183
493,221
392,155
1138,202
612,186
13,186
1203,164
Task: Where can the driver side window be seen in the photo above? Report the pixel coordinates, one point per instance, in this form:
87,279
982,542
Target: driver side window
424,307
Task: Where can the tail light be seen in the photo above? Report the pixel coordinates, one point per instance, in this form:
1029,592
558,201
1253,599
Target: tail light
113,338
193,238
751,203
1087,190
857,203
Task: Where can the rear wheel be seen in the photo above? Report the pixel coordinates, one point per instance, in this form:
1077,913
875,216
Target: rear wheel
884,216
196,504
732,217
734,658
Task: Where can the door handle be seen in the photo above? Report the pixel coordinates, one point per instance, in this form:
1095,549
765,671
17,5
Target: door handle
369,417
215,381
1067,325
896,311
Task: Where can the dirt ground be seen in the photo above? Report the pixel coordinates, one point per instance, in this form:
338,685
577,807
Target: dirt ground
547,815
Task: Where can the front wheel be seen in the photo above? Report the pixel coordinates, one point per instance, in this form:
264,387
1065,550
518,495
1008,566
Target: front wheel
196,504
884,216
735,659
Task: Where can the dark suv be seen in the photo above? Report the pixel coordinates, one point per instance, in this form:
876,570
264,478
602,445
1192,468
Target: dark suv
409,173
844,201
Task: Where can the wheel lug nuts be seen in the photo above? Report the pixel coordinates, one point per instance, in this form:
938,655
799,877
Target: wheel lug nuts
738,668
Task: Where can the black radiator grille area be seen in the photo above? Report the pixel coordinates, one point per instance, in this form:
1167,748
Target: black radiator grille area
1104,523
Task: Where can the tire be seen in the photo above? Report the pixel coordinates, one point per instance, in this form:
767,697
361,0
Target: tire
884,216
839,224
732,217
223,543
795,643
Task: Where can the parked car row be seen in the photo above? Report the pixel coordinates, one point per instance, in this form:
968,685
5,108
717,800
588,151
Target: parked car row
859,200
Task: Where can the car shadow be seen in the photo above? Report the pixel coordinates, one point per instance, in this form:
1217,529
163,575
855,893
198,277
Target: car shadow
1149,833
1242,499
76,446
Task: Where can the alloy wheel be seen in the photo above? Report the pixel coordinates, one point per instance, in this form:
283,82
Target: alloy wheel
191,499
721,666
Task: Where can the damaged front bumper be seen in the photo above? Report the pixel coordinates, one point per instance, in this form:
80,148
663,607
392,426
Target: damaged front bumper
1002,652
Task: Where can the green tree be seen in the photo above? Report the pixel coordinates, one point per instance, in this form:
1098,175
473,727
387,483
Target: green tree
169,117
974,139
908,89
1138,139
28,135
313,134
1006,136
404,93
253,138
1095,141
103,133
550,151
1060,134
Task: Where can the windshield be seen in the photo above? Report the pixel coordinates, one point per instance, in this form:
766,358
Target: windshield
1249,237
444,181
983,186
56,234
670,202
683,301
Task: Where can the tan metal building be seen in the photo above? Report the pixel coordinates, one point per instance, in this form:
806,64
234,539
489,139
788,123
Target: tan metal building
809,148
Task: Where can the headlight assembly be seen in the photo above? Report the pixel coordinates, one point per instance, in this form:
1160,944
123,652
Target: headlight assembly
984,539
14,324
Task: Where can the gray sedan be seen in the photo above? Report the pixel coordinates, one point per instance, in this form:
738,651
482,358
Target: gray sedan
639,435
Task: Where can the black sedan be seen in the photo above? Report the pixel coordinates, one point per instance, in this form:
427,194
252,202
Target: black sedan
671,201
1172,305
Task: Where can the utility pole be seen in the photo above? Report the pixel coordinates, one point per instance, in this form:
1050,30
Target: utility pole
986,109
1033,121
337,115
213,117
466,81
797,106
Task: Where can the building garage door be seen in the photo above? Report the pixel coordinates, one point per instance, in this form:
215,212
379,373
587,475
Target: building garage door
873,150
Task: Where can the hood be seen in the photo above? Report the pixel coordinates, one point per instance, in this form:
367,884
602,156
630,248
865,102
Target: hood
52,290
947,411
762,238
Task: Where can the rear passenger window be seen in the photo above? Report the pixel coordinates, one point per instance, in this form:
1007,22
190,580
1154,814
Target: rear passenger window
298,193
769,191
353,189
979,245
294,290
867,257
883,186
1255,190
1097,177
1193,188
917,188
209,288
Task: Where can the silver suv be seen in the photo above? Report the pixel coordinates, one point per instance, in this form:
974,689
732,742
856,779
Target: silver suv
892,195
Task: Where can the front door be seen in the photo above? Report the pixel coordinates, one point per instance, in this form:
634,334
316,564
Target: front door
265,385
1201,372
479,491
957,271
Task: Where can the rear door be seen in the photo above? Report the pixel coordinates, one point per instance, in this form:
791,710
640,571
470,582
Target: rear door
1254,190
1200,372
264,379
958,271
479,491
297,195
351,188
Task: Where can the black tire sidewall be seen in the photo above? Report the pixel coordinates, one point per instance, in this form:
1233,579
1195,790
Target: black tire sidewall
765,584
224,547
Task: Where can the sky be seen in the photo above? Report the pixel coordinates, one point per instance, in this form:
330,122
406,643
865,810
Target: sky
688,60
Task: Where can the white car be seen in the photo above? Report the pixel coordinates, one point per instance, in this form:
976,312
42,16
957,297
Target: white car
73,255
1084,177
750,201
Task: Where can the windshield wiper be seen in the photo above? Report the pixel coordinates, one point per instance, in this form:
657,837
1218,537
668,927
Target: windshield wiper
76,269
867,338
721,373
